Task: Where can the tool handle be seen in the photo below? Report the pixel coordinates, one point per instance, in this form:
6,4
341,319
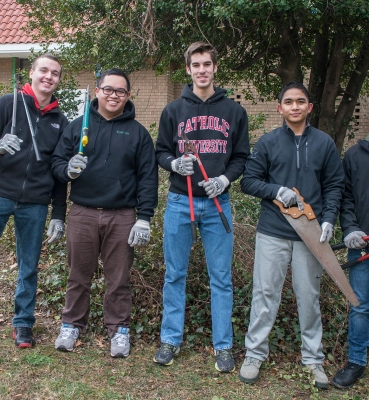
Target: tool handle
192,212
342,245
351,263
37,153
224,220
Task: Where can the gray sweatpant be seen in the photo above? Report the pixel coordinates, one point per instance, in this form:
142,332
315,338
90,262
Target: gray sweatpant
272,257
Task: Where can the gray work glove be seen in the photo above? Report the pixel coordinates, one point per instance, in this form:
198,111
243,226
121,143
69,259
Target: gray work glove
184,165
140,233
214,186
76,165
327,232
288,197
9,143
55,231
354,240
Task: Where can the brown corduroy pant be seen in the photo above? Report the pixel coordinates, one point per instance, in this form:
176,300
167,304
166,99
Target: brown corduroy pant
90,233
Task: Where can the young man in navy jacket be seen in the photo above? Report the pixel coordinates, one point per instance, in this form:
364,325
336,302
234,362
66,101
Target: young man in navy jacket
26,184
295,155
218,127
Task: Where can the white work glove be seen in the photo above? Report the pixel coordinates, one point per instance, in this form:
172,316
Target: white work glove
327,232
184,165
55,231
76,165
9,143
214,186
140,233
288,197
354,240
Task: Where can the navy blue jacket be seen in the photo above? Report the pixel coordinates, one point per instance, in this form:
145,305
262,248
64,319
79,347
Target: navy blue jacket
313,167
354,214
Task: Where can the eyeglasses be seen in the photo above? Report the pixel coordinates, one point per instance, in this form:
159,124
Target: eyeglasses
118,92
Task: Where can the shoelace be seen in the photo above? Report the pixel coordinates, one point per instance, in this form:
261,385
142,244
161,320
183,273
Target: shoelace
225,355
65,333
24,331
121,339
168,348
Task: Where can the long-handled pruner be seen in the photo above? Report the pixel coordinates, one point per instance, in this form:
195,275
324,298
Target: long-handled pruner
351,263
191,148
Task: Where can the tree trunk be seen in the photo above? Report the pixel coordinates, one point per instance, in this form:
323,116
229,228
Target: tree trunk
347,105
331,87
318,73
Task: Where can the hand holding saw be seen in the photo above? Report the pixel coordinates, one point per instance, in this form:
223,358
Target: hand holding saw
308,228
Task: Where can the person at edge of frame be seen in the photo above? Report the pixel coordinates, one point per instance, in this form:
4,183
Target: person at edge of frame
27,186
295,155
219,128
115,179
355,222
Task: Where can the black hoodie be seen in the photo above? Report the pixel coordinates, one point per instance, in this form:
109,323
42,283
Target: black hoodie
121,169
22,178
219,129
355,204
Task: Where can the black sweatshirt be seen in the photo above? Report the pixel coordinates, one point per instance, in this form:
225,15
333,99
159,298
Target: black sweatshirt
355,204
218,127
121,169
22,178
313,167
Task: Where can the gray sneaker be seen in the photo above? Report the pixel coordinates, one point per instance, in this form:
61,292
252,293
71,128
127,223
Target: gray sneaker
225,361
120,343
249,372
67,337
321,380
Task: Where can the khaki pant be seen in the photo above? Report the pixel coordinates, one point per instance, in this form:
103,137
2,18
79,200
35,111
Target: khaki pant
90,233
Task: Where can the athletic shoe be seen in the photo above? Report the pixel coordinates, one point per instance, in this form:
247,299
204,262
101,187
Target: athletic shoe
321,380
166,353
225,360
23,337
120,343
67,337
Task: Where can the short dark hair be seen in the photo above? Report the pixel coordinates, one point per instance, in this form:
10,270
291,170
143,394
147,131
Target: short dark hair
113,71
50,57
293,85
200,47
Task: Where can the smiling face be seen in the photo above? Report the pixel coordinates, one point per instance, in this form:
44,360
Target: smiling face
295,108
45,76
111,106
202,70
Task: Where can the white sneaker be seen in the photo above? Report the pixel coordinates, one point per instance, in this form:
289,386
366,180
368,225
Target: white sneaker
120,343
249,372
67,337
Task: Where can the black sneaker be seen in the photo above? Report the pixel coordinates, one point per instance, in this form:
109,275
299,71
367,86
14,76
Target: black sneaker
166,353
23,337
225,360
348,375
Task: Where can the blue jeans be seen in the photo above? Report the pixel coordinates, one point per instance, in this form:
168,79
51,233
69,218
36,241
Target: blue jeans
29,224
358,336
218,246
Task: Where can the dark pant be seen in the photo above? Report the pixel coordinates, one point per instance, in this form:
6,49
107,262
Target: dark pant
90,233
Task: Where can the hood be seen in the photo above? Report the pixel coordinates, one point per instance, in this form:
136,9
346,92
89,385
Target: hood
364,144
189,95
128,113
27,89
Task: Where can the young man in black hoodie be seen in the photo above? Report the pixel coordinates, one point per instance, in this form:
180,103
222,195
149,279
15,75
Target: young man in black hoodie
27,186
294,155
354,218
113,181
218,127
